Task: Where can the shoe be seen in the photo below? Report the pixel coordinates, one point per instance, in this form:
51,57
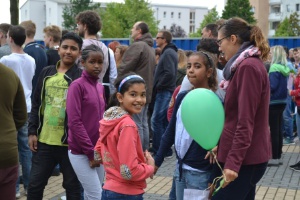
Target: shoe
273,162
18,195
295,165
296,168
288,141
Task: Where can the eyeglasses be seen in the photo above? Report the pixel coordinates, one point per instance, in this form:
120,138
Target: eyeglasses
160,38
219,42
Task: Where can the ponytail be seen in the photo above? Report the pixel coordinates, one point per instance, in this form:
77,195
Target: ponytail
258,39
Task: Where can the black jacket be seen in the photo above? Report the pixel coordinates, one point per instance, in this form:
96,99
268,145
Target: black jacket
166,70
36,115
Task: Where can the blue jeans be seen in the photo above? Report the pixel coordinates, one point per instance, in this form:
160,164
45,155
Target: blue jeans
190,180
24,156
159,121
243,187
107,195
141,121
43,163
288,118
172,195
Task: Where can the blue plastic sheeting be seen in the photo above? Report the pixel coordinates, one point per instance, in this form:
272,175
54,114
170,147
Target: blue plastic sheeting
191,44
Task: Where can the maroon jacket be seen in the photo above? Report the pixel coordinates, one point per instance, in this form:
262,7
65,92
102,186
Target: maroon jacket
245,139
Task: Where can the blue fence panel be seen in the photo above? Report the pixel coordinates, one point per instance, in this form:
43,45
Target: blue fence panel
191,44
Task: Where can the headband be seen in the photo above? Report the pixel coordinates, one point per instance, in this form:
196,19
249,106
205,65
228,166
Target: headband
128,78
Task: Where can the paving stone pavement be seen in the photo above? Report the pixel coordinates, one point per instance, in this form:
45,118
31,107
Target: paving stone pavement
278,183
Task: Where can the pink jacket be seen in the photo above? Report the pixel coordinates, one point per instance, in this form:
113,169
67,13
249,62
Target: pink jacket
121,151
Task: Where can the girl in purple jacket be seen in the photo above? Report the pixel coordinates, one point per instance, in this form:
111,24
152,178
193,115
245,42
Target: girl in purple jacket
85,108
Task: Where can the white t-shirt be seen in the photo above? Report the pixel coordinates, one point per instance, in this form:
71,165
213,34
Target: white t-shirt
24,66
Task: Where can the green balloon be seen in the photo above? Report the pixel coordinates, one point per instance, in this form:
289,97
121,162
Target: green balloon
203,117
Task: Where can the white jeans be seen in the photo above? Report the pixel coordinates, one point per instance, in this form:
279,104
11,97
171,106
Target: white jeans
91,179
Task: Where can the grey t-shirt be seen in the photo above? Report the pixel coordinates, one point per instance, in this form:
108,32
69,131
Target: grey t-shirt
4,50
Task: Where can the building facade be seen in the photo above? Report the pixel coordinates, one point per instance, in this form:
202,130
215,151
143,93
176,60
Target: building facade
279,9
49,12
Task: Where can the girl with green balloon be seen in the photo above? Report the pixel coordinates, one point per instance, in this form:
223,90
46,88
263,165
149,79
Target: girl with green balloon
193,111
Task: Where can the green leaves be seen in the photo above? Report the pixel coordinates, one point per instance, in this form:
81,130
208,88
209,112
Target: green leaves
118,18
75,7
239,8
289,27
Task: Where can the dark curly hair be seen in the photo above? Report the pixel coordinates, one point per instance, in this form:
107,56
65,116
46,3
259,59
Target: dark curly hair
91,19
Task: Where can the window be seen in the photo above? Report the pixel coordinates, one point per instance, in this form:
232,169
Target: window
297,7
252,9
165,28
179,15
192,29
165,13
192,17
288,8
172,14
274,25
275,9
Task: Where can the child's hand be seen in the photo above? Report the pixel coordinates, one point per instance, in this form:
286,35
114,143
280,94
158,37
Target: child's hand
94,163
149,159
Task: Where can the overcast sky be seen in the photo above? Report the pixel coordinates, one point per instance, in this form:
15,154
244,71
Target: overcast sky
5,5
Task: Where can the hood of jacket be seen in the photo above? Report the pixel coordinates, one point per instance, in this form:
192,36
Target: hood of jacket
284,70
111,119
147,37
170,46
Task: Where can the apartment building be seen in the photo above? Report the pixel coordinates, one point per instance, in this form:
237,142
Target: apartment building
49,12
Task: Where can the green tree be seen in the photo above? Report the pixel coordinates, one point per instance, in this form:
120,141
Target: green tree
294,22
75,7
289,26
177,31
14,12
211,17
118,18
239,8
282,29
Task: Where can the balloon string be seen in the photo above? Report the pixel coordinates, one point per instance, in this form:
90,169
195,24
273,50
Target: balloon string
219,177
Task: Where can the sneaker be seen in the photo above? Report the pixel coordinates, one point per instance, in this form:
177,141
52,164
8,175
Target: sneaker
288,141
295,165
18,195
297,168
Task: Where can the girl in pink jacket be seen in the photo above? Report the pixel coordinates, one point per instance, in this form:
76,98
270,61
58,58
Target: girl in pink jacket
119,147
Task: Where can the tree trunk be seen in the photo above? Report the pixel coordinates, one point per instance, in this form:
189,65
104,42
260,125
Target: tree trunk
14,12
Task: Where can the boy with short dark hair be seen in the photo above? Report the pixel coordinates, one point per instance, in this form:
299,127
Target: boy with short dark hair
24,67
48,121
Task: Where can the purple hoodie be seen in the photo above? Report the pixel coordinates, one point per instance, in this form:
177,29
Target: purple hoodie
85,108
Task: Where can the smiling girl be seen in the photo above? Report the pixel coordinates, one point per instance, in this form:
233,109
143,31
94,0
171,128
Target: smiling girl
119,146
85,107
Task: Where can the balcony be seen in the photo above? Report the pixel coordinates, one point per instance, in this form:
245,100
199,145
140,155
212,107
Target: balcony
271,2
275,16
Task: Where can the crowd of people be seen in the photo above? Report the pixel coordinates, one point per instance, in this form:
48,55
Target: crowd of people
89,111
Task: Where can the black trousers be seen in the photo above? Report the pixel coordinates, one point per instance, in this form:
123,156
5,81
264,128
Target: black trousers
275,122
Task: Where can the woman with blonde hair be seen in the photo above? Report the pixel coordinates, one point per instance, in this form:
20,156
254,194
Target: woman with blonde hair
244,147
182,62
278,76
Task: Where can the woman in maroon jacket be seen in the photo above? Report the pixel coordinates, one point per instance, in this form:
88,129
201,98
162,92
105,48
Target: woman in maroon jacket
244,148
